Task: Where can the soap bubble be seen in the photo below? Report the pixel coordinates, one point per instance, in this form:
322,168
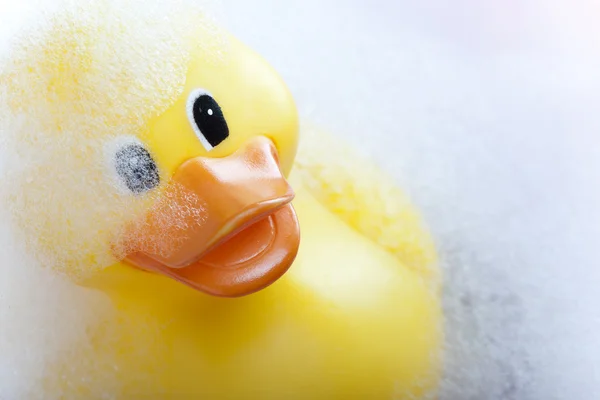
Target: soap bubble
72,88
74,82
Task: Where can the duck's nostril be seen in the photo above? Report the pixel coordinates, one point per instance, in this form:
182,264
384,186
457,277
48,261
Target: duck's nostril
275,150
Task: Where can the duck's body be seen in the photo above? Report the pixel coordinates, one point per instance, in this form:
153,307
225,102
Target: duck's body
353,313
348,320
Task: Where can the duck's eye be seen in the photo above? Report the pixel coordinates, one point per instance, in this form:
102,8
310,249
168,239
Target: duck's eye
136,168
207,119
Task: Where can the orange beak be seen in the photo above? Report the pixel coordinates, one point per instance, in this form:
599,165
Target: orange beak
224,226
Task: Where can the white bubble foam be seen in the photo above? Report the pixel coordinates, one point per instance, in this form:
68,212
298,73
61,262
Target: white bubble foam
74,79
72,84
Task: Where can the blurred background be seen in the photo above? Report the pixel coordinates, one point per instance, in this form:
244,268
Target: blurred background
487,113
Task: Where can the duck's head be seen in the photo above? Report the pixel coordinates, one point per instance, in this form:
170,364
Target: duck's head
171,158
222,150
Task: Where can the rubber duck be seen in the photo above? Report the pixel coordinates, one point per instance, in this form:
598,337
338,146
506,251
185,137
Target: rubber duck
248,260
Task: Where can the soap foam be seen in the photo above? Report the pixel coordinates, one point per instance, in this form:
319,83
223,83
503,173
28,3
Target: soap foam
43,318
73,81
89,74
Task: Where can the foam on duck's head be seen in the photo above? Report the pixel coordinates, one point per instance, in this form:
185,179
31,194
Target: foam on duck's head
90,75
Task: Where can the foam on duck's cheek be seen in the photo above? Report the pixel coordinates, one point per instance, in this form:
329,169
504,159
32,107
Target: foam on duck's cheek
176,211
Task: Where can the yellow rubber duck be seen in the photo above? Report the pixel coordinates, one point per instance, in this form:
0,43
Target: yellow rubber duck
244,265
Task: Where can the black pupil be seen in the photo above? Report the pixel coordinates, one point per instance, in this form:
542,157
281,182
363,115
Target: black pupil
137,168
210,120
